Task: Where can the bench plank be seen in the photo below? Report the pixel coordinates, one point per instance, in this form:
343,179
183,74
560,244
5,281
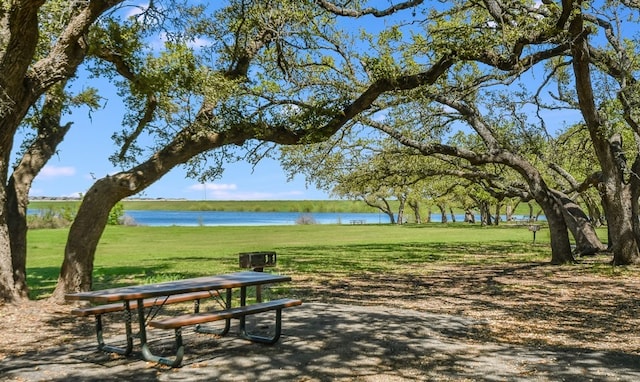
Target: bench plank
200,318
118,307
178,322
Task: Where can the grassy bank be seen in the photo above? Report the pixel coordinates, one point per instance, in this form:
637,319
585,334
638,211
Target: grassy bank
133,255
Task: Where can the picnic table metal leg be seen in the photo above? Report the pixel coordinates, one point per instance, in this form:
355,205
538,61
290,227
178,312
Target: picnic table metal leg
262,339
127,325
227,322
111,348
255,338
146,351
174,361
142,324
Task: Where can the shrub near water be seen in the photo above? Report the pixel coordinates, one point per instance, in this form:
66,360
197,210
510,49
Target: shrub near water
306,219
116,215
52,218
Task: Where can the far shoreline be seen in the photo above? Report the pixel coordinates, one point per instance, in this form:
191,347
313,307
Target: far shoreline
171,204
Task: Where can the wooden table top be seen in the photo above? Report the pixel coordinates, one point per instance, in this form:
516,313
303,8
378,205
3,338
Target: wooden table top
223,281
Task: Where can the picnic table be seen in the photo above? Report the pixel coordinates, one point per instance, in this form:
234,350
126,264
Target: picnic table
152,297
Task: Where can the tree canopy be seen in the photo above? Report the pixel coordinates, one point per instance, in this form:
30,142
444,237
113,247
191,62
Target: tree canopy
517,80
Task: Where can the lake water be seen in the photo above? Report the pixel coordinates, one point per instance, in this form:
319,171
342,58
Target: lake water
236,218
231,218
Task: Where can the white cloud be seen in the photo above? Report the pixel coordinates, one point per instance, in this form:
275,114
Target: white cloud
215,187
74,195
55,171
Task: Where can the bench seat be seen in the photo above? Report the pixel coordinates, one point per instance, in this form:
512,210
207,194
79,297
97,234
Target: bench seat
178,322
149,302
98,310
200,318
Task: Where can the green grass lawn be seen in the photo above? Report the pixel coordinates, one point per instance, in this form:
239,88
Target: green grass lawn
134,255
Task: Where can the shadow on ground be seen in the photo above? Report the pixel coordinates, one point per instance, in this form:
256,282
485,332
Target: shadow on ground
324,342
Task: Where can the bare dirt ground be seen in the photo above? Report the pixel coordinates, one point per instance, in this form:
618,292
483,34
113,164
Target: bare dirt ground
455,322
534,304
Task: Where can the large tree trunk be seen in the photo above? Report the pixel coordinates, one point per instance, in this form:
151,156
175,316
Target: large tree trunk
8,292
624,244
19,31
634,185
17,212
50,134
560,245
401,207
498,208
443,212
616,196
485,213
415,207
85,233
586,238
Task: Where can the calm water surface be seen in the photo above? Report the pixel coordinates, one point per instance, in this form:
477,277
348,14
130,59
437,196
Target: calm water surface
235,218
231,218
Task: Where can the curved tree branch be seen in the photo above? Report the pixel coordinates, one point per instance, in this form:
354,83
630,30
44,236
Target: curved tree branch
352,12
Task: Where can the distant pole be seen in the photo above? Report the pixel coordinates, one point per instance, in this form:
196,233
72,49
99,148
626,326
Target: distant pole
534,228
204,186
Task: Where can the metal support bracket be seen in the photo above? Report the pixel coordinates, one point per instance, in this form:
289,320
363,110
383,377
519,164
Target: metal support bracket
112,348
